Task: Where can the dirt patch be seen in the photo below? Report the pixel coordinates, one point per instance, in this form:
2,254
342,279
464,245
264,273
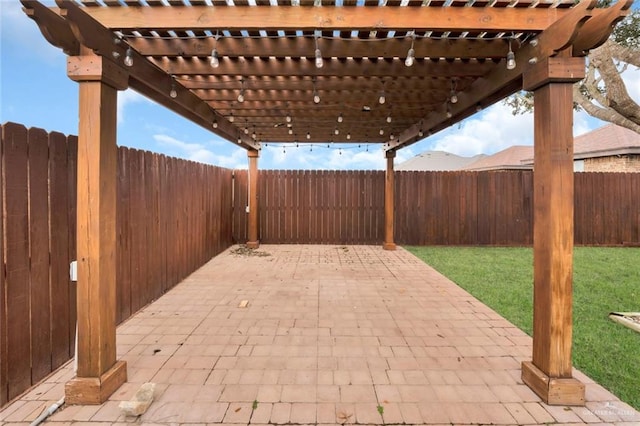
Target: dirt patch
248,252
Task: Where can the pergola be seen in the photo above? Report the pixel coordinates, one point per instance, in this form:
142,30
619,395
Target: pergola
366,71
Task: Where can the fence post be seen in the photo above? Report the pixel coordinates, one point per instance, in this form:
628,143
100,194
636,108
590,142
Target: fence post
253,241
388,202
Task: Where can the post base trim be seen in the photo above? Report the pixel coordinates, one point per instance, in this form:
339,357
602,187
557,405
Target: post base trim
553,391
95,390
389,246
253,244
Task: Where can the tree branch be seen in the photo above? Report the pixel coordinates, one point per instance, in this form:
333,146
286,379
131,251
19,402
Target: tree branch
605,114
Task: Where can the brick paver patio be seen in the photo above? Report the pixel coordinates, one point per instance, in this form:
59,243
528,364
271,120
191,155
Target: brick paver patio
331,334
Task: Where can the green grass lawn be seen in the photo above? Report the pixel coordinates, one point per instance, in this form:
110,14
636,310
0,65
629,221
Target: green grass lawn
605,280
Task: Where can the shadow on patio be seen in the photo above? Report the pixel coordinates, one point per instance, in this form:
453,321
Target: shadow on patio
331,334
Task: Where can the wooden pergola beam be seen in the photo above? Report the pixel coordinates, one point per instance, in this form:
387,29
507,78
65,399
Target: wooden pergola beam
304,18
331,48
417,96
322,83
334,67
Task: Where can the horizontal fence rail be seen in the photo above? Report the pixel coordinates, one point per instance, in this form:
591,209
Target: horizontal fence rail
172,216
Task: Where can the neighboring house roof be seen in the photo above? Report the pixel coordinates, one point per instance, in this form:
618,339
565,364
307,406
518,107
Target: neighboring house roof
507,159
606,141
437,161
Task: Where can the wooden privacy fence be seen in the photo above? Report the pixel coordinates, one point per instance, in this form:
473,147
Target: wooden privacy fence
440,208
314,207
172,216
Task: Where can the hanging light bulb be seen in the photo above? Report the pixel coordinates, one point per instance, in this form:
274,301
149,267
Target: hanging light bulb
316,97
453,97
214,61
253,135
382,99
449,114
288,118
215,123
319,61
411,53
246,130
420,133
336,131
388,119
290,131
231,117
308,135
511,58
381,132
340,118
391,136
348,135
173,92
241,95
128,57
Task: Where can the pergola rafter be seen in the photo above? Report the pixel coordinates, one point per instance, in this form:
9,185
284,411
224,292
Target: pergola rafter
267,72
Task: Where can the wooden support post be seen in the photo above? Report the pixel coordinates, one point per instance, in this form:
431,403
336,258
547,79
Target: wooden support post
549,374
388,203
253,241
99,374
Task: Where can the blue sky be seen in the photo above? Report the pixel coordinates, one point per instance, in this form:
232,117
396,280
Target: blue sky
35,91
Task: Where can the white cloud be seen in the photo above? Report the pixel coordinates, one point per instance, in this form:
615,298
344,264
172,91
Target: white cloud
631,78
128,97
486,133
236,159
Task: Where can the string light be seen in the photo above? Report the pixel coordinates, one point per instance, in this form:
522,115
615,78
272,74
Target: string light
288,118
420,133
215,62
511,58
241,95
308,135
128,57
348,136
449,114
215,123
388,118
173,92
336,131
319,61
411,53
231,117
454,96
381,132
382,99
340,118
